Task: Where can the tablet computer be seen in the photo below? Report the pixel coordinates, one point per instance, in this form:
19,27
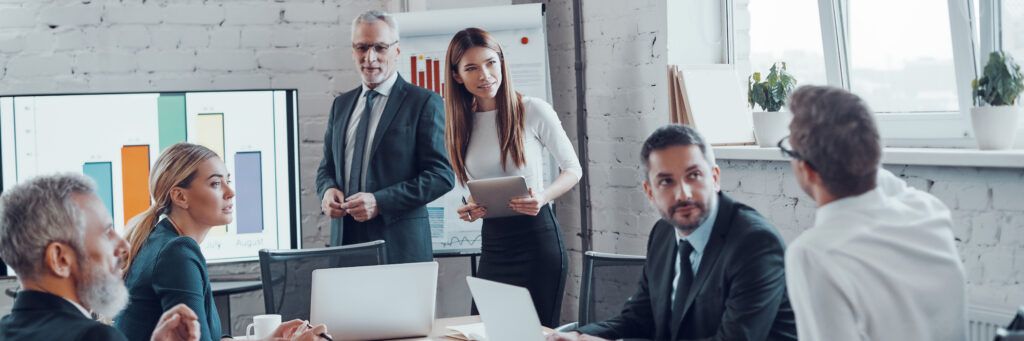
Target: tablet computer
495,193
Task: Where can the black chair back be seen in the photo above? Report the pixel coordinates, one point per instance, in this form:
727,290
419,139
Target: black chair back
288,274
608,281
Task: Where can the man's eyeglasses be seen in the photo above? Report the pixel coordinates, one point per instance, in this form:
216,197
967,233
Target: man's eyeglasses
378,47
788,152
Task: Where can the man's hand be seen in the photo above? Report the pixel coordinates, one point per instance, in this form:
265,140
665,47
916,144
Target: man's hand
572,336
530,205
331,203
177,323
361,206
297,330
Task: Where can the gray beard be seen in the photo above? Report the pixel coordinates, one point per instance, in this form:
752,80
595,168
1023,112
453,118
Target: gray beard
103,292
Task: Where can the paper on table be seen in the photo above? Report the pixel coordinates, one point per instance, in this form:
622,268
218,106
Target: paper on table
468,332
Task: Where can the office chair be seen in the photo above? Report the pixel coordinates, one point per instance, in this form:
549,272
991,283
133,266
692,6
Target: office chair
288,274
1015,330
608,281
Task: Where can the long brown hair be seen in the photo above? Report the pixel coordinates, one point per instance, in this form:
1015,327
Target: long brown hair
458,106
176,167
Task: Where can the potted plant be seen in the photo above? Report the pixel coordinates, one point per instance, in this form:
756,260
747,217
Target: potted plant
771,124
995,113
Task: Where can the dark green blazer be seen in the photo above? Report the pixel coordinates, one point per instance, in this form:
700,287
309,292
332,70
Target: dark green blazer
408,168
168,270
42,316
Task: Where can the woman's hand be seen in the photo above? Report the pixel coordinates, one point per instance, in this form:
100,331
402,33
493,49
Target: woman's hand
530,205
471,211
298,330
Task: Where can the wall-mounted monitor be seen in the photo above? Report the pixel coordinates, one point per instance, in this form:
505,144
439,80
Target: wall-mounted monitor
115,138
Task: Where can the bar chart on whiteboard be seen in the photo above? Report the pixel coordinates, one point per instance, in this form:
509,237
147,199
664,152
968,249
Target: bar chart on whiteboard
115,139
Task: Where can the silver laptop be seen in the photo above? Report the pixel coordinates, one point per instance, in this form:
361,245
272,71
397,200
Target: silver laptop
507,311
375,302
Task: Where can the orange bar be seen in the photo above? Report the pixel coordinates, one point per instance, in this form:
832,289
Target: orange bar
135,180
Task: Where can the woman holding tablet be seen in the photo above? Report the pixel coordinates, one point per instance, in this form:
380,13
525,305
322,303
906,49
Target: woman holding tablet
493,131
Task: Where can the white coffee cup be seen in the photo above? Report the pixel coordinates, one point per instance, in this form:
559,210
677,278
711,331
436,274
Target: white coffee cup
263,326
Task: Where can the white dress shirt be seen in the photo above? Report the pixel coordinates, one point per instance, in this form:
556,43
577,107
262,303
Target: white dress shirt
80,308
384,91
878,266
542,129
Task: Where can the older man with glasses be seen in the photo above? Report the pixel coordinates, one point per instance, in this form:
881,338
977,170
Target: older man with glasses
384,155
880,262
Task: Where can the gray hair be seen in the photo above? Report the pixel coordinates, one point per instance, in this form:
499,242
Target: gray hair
38,212
373,16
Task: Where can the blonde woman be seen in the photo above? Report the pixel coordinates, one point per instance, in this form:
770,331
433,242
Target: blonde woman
192,193
494,131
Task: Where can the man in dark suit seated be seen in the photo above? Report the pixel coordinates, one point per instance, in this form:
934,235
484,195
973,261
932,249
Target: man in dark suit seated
57,235
714,266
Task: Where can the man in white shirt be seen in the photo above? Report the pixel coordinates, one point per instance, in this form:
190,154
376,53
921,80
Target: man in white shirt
880,262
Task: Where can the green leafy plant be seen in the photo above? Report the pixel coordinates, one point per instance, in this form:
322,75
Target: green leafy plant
1000,83
771,93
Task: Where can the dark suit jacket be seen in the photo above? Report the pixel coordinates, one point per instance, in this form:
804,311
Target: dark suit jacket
738,293
42,316
408,167
169,269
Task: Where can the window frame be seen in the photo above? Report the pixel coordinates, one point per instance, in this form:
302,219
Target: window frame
904,129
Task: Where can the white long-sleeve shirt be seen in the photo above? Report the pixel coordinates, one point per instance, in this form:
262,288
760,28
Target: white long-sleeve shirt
542,129
879,266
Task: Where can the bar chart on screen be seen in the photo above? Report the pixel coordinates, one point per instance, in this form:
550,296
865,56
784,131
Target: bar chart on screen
425,71
115,139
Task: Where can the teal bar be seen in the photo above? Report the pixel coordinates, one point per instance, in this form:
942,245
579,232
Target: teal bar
171,119
101,173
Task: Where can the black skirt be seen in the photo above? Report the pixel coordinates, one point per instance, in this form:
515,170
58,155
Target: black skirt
527,251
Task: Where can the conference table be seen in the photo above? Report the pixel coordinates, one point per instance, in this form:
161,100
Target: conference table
440,329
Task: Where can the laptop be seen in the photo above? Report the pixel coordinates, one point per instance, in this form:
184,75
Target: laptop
507,311
375,302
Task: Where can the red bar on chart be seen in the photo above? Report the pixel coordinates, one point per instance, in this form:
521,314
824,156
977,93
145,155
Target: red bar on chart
430,76
412,61
422,81
437,76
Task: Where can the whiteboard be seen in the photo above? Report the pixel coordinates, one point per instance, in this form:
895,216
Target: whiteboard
717,105
424,40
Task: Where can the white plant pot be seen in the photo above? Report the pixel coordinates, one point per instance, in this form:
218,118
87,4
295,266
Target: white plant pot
995,127
770,127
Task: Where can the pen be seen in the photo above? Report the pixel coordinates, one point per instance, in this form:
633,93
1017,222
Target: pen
464,202
322,335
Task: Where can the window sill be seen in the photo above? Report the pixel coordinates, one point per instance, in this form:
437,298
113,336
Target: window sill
898,156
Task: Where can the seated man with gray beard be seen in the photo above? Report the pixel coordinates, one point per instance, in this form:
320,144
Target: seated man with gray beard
57,235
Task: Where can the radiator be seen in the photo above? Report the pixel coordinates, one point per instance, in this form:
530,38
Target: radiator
982,321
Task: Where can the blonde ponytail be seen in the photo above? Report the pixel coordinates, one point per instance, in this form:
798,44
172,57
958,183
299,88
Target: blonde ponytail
175,167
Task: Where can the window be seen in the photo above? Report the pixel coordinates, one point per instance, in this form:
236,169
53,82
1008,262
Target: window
911,60
787,31
1012,13
898,64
